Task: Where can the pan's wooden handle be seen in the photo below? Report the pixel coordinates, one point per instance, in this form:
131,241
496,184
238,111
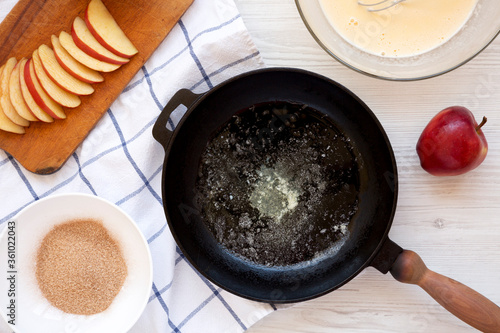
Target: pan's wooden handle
465,303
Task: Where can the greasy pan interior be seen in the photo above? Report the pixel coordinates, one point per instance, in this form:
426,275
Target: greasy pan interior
377,193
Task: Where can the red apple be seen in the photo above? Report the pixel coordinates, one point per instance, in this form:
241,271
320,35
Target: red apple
55,92
44,101
34,108
103,26
72,66
84,39
5,123
59,75
15,94
452,143
5,102
83,58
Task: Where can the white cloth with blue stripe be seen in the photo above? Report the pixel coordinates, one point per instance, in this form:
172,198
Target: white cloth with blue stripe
121,162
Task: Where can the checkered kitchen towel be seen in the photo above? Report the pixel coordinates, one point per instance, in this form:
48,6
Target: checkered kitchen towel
121,162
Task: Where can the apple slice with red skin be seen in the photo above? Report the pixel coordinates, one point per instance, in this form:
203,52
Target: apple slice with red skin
35,109
84,39
55,92
8,125
15,94
105,29
5,123
452,143
7,106
72,66
82,57
41,98
59,75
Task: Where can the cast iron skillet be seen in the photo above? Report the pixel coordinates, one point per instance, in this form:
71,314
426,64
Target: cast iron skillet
368,243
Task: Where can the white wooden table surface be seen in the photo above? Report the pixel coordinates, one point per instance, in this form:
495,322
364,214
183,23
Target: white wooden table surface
453,223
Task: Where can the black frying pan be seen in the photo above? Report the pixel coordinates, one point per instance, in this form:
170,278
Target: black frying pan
368,243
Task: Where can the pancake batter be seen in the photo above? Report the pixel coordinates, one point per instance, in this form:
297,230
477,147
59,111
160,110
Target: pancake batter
409,28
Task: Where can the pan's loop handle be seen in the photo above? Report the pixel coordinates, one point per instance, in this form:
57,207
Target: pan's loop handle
465,303
183,97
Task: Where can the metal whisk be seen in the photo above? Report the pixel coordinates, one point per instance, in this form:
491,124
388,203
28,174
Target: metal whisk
379,6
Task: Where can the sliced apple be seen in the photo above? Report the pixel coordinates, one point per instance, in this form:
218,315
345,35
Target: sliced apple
41,98
105,29
7,106
59,74
84,39
8,125
35,109
5,123
15,94
58,94
72,66
69,45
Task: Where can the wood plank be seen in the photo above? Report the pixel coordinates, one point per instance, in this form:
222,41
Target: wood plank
45,147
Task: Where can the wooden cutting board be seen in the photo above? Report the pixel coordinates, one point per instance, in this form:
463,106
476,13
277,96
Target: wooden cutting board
44,148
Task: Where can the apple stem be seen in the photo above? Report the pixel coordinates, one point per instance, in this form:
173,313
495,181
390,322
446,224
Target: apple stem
481,124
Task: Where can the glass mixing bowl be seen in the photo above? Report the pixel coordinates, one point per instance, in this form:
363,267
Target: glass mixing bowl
479,31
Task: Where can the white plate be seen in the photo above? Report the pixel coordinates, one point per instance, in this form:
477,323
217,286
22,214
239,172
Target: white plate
33,312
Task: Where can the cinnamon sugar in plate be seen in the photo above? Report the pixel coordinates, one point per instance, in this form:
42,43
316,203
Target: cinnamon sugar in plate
80,268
